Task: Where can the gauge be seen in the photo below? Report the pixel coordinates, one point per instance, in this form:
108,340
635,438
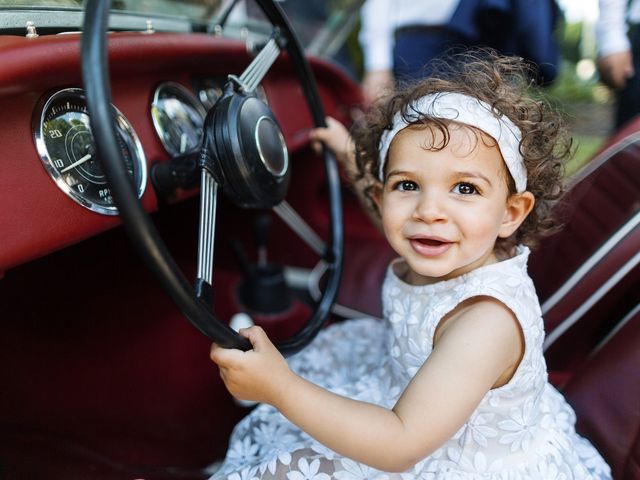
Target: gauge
67,150
211,89
178,117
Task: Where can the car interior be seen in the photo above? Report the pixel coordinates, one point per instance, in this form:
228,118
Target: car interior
105,371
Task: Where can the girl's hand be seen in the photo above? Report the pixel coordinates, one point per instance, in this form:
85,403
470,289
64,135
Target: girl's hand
336,138
260,374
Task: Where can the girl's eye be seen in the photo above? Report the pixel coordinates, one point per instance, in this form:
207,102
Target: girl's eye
464,188
406,186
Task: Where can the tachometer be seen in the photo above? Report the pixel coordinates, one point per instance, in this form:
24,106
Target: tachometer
67,150
178,117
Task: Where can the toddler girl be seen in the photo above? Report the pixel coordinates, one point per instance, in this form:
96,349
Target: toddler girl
461,171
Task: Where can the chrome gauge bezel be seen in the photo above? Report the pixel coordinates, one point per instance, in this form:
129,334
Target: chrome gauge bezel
209,91
185,96
124,128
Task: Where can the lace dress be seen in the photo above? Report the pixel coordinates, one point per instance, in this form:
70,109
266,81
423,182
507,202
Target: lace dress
522,430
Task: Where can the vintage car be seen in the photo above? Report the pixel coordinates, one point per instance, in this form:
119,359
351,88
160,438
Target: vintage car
127,156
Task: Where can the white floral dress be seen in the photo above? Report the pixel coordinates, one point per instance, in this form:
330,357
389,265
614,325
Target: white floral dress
522,430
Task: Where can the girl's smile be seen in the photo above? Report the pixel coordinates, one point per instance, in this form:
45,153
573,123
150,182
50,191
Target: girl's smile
442,210
429,246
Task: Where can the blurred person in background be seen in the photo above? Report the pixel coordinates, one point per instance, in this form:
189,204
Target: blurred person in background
400,37
618,40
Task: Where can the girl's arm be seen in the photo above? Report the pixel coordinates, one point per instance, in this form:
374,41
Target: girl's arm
474,350
337,139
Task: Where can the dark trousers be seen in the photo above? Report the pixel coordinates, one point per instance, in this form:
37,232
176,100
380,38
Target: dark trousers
629,97
415,47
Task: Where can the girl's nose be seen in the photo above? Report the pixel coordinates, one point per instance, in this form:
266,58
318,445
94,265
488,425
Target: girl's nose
430,208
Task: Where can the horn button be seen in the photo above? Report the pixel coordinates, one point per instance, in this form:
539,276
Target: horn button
245,151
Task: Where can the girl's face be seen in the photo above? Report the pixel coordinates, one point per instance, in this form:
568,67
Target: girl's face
442,211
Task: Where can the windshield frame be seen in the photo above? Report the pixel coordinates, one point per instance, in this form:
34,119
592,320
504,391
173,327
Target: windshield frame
66,16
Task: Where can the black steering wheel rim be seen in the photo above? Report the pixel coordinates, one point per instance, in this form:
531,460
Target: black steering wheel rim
137,222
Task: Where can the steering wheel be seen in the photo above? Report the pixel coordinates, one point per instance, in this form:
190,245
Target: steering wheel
243,153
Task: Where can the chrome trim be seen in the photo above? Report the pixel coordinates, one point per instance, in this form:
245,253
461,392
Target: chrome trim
285,151
32,32
615,330
591,262
603,156
348,312
139,162
258,68
206,238
593,299
128,128
297,277
69,18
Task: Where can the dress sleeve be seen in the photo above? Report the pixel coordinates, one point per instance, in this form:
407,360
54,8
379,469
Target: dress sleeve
611,27
376,35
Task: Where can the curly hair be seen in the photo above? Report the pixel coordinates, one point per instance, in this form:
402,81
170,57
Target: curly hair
505,84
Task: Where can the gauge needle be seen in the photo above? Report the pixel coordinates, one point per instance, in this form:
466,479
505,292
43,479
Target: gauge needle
75,164
183,142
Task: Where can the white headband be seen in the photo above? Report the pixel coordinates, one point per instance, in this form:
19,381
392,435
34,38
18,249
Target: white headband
468,110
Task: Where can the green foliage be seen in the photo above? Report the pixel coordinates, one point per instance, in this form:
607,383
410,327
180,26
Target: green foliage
569,87
570,39
585,147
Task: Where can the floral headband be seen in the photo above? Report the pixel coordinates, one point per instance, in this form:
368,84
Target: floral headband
470,111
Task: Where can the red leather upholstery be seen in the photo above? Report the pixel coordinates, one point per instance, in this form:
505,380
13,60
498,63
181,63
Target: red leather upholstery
366,257
601,234
606,396
364,268
602,199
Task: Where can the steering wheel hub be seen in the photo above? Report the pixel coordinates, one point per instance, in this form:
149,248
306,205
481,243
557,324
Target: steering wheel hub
244,149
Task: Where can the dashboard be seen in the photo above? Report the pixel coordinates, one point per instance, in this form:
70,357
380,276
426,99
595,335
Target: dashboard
54,191
124,374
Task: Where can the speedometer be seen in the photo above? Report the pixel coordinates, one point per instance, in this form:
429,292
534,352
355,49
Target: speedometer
67,150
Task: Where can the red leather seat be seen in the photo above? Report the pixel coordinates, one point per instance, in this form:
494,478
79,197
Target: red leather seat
588,274
366,257
605,393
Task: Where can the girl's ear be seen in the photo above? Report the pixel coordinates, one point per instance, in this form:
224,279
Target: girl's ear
518,207
376,195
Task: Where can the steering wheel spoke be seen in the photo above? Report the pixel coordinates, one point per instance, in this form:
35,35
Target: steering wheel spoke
206,238
296,223
258,68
